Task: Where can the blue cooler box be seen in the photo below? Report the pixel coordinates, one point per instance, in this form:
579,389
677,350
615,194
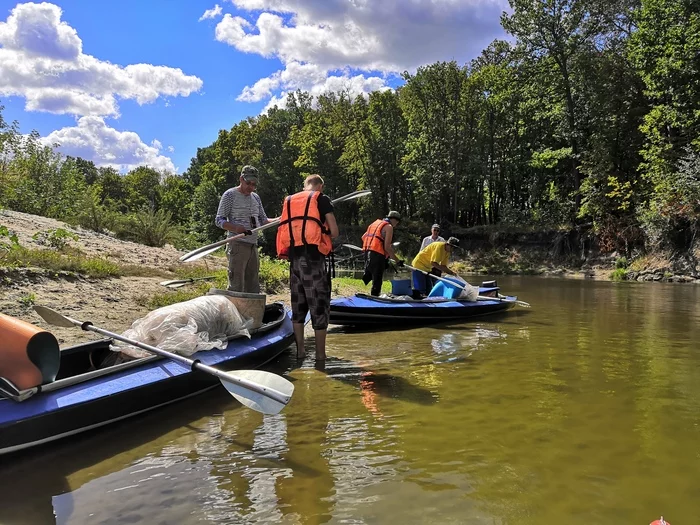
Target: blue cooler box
401,287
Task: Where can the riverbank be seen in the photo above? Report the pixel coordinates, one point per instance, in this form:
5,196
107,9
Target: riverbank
569,253
94,276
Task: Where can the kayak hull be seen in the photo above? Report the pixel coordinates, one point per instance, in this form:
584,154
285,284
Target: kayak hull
131,389
364,310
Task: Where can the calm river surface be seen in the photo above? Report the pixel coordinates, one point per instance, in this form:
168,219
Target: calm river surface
584,409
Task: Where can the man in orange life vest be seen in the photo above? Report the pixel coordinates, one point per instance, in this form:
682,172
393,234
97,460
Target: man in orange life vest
376,243
307,227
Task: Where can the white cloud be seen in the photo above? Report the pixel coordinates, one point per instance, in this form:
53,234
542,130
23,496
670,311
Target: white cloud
41,59
294,76
214,12
171,149
353,86
386,36
92,139
383,35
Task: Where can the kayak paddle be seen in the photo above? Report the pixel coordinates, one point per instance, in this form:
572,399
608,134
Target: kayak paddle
178,283
259,390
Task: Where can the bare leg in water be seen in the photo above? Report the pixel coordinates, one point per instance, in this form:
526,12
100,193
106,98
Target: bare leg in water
319,336
299,338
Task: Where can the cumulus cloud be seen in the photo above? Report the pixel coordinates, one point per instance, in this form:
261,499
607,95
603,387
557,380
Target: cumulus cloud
94,140
352,85
385,36
41,59
214,12
294,76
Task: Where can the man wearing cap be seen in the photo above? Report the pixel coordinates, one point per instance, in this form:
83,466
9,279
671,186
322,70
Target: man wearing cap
434,237
240,211
432,259
376,243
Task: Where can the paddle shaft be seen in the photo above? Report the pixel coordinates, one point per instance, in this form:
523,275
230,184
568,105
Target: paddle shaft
206,250
180,282
192,364
452,283
435,276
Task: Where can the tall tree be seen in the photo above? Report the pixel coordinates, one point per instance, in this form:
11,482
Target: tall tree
666,52
559,30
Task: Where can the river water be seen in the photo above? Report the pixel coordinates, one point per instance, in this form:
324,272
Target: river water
583,409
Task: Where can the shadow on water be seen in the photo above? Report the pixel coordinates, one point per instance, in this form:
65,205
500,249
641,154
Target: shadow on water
364,379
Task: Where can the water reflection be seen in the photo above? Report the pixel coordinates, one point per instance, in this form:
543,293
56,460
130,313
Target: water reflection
585,410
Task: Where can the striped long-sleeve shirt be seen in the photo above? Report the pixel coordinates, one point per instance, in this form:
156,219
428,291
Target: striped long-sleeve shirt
242,210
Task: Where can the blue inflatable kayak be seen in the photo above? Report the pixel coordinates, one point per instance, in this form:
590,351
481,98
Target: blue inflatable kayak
82,397
362,310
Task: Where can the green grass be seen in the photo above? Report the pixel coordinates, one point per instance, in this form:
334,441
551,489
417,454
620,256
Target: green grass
274,274
73,260
619,274
179,295
349,286
274,278
52,260
27,300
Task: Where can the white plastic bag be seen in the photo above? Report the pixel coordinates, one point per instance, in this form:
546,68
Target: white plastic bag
202,323
470,293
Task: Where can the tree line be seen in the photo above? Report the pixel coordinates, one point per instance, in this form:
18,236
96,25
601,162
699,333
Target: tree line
588,117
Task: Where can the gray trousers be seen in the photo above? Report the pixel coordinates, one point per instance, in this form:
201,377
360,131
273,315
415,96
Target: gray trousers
243,267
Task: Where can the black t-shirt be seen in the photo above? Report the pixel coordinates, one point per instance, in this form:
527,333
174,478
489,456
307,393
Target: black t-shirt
324,206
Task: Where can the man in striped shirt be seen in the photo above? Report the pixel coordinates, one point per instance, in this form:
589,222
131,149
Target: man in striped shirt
240,211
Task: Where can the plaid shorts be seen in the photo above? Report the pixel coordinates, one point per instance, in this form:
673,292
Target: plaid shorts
311,289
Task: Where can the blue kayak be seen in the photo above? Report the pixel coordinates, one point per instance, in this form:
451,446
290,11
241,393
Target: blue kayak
365,310
82,397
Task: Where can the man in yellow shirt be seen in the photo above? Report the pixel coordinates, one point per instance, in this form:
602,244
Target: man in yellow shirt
433,258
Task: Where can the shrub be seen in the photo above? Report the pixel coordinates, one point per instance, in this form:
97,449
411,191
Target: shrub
274,274
620,274
8,241
57,238
93,215
152,228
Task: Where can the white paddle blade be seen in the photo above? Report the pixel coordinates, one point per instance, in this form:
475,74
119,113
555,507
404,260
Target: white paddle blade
54,318
256,401
198,256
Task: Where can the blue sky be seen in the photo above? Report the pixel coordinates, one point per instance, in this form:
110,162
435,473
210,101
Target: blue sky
147,82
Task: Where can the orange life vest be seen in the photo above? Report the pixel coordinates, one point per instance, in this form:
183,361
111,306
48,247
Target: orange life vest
373,239
301,224
29,356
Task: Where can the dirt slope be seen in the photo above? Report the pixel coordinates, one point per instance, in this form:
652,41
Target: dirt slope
112,303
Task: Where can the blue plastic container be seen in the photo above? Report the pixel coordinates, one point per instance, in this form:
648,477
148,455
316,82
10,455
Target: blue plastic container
401,287
443,289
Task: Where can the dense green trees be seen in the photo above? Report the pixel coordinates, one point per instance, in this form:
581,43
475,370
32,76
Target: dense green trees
588,117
